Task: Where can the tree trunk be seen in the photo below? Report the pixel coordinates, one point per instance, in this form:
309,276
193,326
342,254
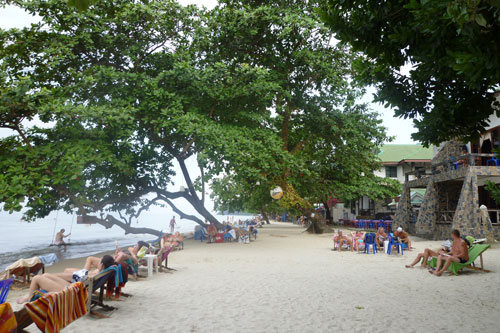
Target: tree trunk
264,215
193,197
318,223
328,214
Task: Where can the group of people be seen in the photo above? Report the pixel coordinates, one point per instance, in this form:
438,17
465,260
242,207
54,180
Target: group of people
458,251
129,259
50,283
356,242
237,231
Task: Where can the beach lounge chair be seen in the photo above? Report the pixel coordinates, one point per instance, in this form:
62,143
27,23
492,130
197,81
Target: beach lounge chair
53,312
98,282
475,251
164,258
4,289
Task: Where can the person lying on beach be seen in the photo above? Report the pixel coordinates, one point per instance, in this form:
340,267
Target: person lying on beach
55,282
137,251
380,237
341,240
403,236
459,253
359,239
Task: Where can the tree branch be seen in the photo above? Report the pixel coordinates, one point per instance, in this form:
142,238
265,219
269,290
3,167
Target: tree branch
111,221
182,214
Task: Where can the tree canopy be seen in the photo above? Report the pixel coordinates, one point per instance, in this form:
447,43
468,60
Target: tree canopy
451,46
331,138
254,91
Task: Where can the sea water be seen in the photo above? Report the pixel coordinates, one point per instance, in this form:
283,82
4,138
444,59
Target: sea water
19,239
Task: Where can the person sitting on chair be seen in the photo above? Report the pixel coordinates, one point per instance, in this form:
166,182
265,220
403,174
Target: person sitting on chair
428,253
212,231
403,237
459,253
341,240
381,237
55,282
60,237
359,239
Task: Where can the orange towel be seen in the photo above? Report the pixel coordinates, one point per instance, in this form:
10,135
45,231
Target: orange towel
8,322
53,312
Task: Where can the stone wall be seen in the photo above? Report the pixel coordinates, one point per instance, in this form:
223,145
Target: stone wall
463,198
427,217
403,213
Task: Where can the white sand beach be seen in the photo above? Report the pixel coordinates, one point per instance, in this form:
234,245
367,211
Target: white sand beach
290,281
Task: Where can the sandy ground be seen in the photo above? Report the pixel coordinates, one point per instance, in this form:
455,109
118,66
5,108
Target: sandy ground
289,281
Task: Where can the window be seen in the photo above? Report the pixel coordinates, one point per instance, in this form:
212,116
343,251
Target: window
391,171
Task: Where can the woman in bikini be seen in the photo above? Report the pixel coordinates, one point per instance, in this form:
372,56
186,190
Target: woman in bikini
358,238
55,282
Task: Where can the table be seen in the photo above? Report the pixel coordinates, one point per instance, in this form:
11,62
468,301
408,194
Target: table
151,258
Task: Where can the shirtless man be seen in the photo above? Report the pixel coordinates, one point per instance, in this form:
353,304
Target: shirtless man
60,237
342,239
459,253
172,225
403,237
381,237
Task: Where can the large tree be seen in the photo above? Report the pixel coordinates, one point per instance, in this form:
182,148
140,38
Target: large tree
122,96
329,139
451,46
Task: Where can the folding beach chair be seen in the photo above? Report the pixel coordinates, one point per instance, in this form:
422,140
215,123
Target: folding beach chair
4,289
98,282
53,312
475,251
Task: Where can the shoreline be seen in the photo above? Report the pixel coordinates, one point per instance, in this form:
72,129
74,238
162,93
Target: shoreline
290,281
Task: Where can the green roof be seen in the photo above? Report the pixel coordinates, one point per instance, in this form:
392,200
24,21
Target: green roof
397,153
418,190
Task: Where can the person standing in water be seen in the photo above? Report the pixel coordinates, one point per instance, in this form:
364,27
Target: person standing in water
172,225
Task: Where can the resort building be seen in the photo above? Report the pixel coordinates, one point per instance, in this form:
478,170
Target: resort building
455,190
398,162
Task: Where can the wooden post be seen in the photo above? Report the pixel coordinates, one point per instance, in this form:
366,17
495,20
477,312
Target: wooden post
89,294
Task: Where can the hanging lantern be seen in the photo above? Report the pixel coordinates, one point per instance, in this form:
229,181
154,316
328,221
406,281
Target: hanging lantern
277,193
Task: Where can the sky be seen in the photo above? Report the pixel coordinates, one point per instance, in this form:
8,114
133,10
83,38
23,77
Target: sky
12,17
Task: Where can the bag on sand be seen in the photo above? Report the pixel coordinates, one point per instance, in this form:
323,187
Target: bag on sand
244,239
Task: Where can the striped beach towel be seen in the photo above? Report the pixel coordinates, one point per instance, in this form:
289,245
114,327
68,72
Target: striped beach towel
8,321
53,312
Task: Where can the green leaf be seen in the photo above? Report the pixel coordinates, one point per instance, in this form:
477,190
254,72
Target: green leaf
480,20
